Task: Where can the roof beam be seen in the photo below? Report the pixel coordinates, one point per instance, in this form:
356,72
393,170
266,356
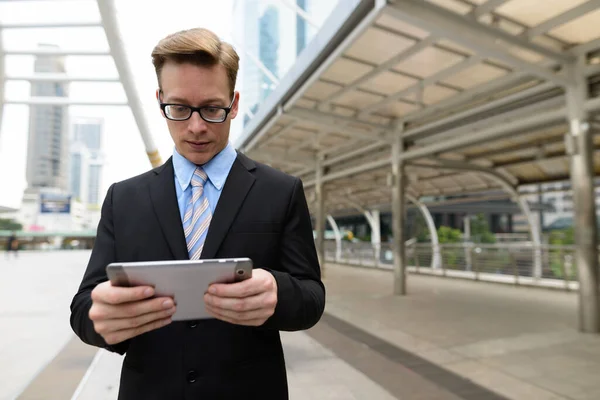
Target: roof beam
492,133
561,19
279,133
56,52
338,124
58,78
315,137
285,157
509,181
493,105
486,8
381,68
481,38
63,101
446,73
36,25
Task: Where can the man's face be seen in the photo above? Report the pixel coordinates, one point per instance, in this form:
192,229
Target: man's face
197,86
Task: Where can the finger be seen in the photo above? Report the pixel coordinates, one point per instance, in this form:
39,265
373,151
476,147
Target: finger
249,287
106,293
236,321
122,335
259,301
114,325
101,311
241,317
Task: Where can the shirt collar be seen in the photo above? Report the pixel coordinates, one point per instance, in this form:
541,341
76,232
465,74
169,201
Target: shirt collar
217,168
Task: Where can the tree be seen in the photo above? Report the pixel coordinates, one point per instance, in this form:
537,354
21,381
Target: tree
480,230
448,235
420,229
450,254
9,225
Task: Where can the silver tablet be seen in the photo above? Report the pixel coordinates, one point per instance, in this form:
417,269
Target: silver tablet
185,281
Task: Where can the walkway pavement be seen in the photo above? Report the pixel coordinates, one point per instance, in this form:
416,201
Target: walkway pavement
448,340
520,342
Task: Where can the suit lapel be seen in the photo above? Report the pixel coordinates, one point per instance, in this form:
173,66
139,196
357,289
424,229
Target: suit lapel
164,200
239,182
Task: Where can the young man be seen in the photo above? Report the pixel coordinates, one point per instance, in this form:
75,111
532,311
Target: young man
206,201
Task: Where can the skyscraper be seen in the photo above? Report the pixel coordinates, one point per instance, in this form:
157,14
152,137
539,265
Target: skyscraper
301,32
269,48
86,160
272,33
47,147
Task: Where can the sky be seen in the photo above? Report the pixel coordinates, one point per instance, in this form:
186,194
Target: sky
142,24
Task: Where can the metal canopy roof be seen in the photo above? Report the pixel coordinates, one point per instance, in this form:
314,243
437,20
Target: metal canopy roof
476,86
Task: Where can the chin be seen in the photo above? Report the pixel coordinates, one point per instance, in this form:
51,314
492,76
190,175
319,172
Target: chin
200,158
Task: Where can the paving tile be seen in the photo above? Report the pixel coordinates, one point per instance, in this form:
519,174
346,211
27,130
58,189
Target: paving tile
504,384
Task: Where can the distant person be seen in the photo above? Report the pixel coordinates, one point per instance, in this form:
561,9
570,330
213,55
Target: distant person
240,208
12,245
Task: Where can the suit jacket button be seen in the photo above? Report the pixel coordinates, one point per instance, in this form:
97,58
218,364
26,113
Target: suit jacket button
192,376
193,324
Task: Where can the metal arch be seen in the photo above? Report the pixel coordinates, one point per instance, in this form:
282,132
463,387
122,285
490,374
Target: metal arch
371,219
113,36
510,185
436,260
338,237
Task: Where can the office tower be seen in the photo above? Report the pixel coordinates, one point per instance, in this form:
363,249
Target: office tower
301,31
272,33
87,160
268,48
47,147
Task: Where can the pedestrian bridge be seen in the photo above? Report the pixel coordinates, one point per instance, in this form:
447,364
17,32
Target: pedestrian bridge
449,340
400,101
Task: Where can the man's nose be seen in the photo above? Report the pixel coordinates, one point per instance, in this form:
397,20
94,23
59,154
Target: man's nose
196,123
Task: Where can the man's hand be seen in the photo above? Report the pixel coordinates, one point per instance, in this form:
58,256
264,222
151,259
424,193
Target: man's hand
120,313
250,302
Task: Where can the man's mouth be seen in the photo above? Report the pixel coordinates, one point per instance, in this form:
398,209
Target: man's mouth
198,145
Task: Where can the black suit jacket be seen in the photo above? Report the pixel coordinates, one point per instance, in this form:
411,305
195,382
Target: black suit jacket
262,214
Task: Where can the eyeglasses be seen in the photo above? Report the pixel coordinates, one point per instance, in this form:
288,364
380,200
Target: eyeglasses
182,112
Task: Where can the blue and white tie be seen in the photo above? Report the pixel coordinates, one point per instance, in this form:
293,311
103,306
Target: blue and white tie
197,216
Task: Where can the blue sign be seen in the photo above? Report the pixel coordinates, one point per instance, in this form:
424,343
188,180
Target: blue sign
55,203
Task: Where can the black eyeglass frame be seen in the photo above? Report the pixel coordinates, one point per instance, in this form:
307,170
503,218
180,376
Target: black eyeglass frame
199,110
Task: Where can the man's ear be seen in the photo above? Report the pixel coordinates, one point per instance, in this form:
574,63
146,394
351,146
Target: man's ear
236,103
158,101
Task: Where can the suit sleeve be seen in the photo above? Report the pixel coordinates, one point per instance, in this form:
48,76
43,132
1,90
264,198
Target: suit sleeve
300,291
103,254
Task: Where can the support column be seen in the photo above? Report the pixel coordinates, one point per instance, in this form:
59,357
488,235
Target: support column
320,215
579,144
374,220
467,237
108,15
338,238
398,214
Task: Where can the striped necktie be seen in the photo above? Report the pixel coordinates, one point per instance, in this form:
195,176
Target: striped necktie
197,216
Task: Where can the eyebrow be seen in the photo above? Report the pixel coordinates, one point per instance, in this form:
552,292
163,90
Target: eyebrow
213,101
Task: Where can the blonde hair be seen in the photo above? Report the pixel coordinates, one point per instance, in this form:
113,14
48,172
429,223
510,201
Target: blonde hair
196,46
